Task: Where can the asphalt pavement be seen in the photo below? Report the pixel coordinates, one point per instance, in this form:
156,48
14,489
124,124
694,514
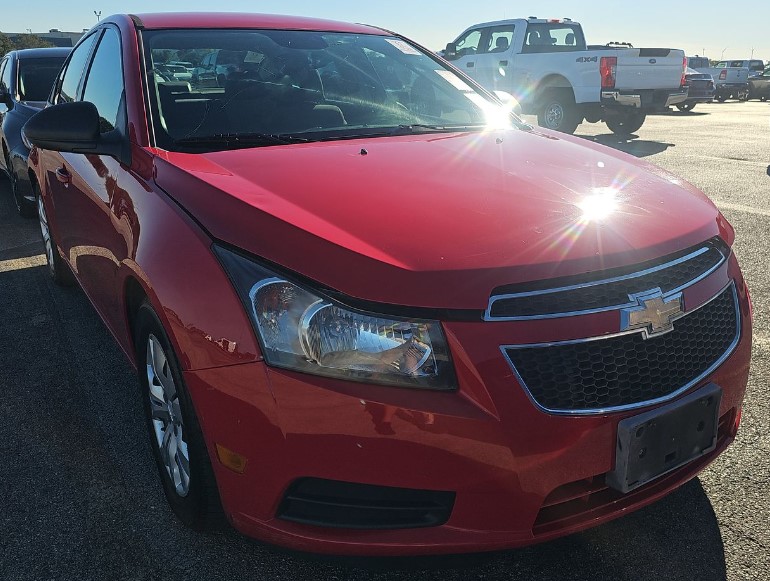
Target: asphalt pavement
80,497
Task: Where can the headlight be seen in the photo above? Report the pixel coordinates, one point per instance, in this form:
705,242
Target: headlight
305,331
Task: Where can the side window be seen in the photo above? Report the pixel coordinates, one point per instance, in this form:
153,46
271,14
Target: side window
5,75
469,43
68,89
500,38
104,83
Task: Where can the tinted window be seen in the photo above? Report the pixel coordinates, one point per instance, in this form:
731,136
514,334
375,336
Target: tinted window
5,75
500,38
74,72
104,84
36,77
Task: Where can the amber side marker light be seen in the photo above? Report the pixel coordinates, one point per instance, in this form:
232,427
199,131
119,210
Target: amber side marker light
231,460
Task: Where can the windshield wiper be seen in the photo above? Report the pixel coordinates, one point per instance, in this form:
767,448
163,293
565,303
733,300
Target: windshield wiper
406,129
235,140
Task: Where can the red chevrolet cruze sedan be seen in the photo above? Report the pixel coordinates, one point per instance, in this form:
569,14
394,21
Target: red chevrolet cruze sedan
371,310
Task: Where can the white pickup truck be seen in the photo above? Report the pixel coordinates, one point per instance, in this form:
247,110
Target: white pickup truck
548,67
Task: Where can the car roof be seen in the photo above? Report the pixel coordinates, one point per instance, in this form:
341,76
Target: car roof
32,53
246,20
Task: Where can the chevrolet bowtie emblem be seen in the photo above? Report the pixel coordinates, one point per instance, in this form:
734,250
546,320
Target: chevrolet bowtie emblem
655,315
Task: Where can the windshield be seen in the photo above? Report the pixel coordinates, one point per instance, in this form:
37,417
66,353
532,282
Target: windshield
257,85
36,77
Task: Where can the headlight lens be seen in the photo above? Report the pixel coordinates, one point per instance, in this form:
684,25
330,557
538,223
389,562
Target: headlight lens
303,331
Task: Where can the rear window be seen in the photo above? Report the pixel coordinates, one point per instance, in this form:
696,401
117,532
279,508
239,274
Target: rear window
36,77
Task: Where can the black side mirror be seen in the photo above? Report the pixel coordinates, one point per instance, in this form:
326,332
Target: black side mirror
74,128
450,52
5,97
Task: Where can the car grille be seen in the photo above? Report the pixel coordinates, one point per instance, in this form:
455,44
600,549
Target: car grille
627,370
580,295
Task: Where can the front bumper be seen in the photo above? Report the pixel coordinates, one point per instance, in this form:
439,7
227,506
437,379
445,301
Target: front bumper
649,99
518,475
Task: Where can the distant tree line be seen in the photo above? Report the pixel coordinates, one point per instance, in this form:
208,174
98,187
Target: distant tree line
21,41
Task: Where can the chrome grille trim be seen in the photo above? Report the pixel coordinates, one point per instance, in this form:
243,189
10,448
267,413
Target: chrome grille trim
613,409
488,316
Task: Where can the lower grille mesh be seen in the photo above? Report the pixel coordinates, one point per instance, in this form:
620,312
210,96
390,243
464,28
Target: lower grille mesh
627,369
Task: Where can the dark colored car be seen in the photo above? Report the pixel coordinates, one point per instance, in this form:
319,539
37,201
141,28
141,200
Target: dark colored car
371,310
26,79
700,89
759,86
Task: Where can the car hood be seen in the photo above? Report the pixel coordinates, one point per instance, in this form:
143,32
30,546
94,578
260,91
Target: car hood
440,220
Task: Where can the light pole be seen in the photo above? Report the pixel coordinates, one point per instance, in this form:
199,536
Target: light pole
723,53
98,15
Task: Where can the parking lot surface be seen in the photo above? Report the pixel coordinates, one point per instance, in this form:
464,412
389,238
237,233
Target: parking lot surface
80,496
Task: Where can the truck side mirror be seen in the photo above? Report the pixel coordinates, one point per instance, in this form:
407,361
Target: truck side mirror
450,53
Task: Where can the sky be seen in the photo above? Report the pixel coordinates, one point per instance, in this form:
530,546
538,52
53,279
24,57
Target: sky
700,27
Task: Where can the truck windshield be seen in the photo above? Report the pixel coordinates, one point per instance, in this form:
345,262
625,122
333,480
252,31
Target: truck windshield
274,87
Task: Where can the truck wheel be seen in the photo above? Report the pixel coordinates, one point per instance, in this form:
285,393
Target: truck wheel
743,95
686,106
720,98
558,111
625,122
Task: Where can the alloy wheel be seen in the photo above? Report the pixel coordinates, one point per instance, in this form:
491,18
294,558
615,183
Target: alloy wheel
46,233
166,414
554,115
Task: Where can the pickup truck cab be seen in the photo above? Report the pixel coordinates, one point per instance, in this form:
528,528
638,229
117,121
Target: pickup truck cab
548,67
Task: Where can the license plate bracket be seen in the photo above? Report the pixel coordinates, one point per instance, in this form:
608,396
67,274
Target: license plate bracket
654,443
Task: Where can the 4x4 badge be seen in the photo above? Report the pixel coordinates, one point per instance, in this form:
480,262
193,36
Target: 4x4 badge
654,314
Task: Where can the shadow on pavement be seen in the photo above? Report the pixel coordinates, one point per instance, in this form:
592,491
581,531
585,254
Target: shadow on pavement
632,145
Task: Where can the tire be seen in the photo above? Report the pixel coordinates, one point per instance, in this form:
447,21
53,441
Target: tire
625,122
58,270
763,98
558,111
177,443
743,95
720,98
24,208
686,106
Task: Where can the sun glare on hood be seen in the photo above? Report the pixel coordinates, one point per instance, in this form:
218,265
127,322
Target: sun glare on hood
599,206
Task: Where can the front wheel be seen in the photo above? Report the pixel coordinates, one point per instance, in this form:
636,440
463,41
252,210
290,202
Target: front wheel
686,106
558,111
625,122
721,98
175,435
58,270
24,208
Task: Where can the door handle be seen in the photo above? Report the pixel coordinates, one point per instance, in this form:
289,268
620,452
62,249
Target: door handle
503,63
63,176
470,65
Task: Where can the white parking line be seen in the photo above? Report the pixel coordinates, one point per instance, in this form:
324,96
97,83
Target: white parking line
740,208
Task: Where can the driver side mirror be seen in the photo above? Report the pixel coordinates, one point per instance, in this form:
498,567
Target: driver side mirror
5,97
75,128
450,52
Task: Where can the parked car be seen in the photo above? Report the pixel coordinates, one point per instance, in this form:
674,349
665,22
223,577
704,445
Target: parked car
547,67
26,79
371,310
174,72
700,89
759,86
